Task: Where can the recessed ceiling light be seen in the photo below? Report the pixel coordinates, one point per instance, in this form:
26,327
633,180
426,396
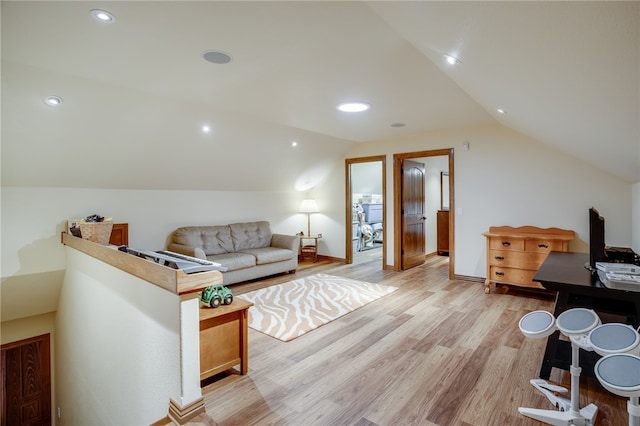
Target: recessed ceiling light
294,144
216,57
501,111
398,124
452,59
53,100
206,129
354,107
102,15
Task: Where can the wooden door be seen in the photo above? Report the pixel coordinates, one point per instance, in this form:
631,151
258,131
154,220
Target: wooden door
412,196
26,382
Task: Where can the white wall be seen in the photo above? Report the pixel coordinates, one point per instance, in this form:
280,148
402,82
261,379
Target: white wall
504,179
32,218
508,179
117,346
366,178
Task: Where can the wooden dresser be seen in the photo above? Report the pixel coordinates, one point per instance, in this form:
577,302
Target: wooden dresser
515,254
442,229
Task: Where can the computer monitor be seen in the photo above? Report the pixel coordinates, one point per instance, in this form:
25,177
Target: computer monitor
597,251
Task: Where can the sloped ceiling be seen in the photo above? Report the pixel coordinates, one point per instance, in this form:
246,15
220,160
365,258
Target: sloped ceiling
137,92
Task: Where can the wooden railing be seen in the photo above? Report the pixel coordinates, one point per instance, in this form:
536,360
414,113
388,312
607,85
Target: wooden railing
173,280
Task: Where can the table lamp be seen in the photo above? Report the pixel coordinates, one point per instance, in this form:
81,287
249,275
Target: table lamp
309,206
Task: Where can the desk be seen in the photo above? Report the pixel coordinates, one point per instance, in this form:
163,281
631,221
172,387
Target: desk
576,287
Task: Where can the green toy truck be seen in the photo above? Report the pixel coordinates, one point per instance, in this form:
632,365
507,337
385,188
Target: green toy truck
216,295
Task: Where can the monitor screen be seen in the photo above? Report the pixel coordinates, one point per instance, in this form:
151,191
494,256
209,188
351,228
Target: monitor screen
596,238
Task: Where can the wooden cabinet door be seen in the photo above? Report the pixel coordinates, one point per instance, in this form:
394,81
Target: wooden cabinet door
119,234
26,382
442,229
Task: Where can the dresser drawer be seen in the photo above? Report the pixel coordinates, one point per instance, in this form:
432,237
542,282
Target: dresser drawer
516,259
544,246
506,243
513,276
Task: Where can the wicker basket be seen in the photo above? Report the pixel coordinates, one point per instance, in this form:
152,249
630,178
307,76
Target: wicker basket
98,232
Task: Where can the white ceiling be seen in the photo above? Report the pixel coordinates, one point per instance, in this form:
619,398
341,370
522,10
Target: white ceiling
137,91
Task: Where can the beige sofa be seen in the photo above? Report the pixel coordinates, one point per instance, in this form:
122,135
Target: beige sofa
249,250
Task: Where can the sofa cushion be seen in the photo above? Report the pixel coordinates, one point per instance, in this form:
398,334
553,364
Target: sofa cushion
234,261
269,254
250,235
211,239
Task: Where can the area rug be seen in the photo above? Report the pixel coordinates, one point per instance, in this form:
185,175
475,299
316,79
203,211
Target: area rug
289,310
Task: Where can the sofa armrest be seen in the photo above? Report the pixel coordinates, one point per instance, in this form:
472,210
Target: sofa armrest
188,251
291,242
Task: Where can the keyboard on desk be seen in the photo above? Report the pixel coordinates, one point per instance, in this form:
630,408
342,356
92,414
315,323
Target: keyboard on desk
188,258
187,264
191,264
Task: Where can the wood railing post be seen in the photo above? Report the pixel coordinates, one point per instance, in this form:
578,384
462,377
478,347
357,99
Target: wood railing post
189,403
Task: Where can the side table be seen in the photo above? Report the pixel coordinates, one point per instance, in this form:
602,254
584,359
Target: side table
309,246
224,338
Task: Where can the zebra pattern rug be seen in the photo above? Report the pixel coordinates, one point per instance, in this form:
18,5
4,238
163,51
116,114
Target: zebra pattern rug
286,311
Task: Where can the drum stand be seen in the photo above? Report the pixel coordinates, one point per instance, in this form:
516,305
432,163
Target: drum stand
570,412
574,416
620,374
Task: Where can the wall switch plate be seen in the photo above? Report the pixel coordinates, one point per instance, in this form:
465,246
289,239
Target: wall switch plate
465,146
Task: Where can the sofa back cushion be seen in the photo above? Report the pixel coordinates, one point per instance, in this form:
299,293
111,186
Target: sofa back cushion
211,239
250,235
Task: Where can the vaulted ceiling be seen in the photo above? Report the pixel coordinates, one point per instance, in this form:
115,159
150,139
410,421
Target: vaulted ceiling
136,92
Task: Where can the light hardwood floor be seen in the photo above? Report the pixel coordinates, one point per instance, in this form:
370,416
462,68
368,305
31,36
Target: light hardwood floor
437,352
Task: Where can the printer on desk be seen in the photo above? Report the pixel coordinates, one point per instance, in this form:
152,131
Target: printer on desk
619,276
620,270
599,251
621,255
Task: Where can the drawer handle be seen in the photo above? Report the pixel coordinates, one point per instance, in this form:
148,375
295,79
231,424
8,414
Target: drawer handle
506,243
500,274
543,245
499,258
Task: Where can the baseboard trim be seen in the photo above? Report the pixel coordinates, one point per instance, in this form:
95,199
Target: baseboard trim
181,415
331,258
391,267
468,278
162,422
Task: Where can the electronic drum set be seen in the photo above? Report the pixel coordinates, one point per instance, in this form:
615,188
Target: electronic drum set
618,370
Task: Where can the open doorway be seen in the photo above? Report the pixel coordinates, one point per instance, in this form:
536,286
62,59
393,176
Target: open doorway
365,209
439,202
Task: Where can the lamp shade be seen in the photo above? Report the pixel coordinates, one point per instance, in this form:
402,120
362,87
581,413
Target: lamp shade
309,206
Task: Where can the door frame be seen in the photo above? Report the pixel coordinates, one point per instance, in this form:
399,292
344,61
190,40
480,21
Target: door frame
397,203
349,203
